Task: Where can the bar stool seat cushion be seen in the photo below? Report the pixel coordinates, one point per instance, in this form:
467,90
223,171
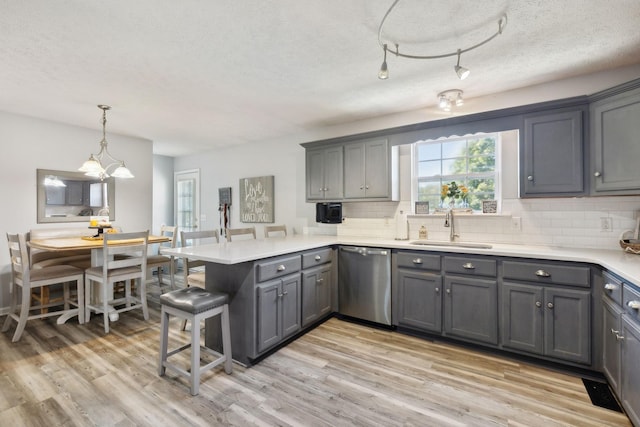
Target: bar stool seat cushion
194,300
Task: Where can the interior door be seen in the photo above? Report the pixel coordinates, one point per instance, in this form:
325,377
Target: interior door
187,199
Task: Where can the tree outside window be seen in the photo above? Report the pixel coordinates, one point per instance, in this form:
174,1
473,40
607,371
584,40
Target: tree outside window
469,162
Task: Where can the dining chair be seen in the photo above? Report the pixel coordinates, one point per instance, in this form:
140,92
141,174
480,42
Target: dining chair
124,258
194,269
28,279
159,261
246,233
275,231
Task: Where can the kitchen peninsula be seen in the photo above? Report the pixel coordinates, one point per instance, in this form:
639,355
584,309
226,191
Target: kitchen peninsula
281,287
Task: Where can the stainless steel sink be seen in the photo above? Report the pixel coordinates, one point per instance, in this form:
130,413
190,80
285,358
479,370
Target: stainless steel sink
451,244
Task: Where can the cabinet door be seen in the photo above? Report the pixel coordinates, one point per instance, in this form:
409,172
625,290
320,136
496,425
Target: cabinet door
376,168
630,374
420,300
315,174
333,173
55,195
615,129
75,193
522,317
290,305
471,308
269,316
323,292
354,173
611,334
567,324
310,280
553,154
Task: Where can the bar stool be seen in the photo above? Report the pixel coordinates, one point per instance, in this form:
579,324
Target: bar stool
194,304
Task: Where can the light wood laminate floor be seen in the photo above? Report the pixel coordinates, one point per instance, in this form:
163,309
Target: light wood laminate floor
339,374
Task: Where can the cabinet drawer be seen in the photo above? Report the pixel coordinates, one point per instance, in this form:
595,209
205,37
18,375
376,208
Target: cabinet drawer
470,266
418,260
612,287
314,258
547,273
631,303
278,267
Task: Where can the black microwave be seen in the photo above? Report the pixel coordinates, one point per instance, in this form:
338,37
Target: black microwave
329,213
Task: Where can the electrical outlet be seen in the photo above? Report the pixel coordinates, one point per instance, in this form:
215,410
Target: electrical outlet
606,224
516,224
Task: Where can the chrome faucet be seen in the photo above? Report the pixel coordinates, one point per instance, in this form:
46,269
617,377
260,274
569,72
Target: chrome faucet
448,222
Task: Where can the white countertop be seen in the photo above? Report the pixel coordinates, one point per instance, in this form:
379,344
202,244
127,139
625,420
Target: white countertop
617,261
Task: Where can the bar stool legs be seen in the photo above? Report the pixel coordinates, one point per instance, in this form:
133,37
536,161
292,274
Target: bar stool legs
194,304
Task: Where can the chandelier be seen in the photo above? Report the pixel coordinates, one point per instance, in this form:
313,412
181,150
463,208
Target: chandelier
103,164
460,71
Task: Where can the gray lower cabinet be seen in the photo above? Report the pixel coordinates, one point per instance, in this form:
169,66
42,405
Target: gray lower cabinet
630,373
548,321
420,300
278,310
316,293
611,343
552,163
471,298
615,126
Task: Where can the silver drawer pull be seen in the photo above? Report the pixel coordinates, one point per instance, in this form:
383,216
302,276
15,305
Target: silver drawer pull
437,290
542,273
634,305
319,280
538,304
614,332
281,267
610,286
550,304
619,337
318,258
417,261
468,266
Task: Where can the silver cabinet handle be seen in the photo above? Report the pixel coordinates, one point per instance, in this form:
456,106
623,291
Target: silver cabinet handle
530,178
634,305
366,186
619,337
550,304
437,290
597,174
542,273
448,291
610,286
319,280
318,258
417,261
614,332
281,267
468,266
362,187
285,293
280,295
538,304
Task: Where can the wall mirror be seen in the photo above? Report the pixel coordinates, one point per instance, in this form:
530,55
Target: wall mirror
73,197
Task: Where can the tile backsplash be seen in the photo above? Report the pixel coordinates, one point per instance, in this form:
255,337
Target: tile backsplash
566,222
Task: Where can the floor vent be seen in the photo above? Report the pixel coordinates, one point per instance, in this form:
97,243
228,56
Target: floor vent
601,395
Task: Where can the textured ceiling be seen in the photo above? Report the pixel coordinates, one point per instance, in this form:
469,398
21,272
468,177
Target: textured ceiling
196,75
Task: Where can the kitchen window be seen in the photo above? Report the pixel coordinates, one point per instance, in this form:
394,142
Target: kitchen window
471,162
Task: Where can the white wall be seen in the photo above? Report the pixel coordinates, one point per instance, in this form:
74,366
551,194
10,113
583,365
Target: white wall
29,144
162,192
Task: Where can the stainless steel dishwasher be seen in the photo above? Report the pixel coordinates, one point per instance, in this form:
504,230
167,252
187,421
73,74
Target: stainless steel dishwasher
364,283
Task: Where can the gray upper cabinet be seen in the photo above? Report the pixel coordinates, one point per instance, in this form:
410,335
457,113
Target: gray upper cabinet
615,130
553,148
366,170
324,173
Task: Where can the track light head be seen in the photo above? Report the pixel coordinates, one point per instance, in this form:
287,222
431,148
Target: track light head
383,74
462,72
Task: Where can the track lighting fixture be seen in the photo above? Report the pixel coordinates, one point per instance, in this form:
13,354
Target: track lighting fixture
448,98
461,71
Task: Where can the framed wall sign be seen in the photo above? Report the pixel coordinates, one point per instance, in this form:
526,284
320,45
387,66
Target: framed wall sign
489,206
422,208
256,199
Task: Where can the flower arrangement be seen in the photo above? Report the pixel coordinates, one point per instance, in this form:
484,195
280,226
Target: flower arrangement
454,192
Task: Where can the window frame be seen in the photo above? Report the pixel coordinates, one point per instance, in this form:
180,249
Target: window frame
496,174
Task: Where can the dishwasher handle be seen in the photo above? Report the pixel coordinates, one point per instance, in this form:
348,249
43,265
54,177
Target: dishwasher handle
364,251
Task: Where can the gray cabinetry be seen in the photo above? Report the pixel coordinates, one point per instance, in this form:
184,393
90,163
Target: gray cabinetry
544,312
552,160
317,285
55,195
615,126
612,335
366,170
630,353
76,191
324,173
418,292
471,298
